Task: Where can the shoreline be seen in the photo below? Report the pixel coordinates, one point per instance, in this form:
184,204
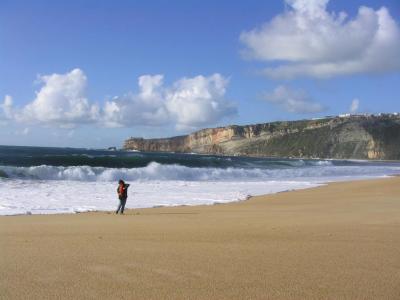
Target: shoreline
248,197
337,241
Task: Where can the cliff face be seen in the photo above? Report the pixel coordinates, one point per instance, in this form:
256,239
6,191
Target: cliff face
357,137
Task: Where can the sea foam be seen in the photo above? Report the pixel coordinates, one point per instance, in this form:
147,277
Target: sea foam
50,197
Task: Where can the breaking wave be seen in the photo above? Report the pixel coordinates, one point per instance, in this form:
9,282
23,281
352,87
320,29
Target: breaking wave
157,171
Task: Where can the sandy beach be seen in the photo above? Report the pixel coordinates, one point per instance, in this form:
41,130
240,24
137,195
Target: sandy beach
339,241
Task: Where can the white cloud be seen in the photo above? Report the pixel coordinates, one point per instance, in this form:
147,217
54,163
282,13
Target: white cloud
354,105
26,131
188,103
61,101
7,107
307,40
71,133
145,108
294,101
198,101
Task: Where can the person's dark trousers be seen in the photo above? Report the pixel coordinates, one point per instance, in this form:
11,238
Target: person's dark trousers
121,206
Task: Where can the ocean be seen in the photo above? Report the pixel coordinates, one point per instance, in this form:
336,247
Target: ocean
40,180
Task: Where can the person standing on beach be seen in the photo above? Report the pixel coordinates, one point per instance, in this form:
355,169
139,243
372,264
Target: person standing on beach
122,191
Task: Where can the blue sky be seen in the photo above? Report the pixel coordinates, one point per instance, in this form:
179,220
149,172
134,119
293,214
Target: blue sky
92,73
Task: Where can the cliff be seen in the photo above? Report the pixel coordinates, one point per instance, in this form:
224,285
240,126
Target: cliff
346,137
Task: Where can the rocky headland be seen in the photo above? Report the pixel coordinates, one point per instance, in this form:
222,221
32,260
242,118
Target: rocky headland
341,137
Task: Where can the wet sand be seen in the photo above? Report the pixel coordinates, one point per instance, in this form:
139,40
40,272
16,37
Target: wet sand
340,241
